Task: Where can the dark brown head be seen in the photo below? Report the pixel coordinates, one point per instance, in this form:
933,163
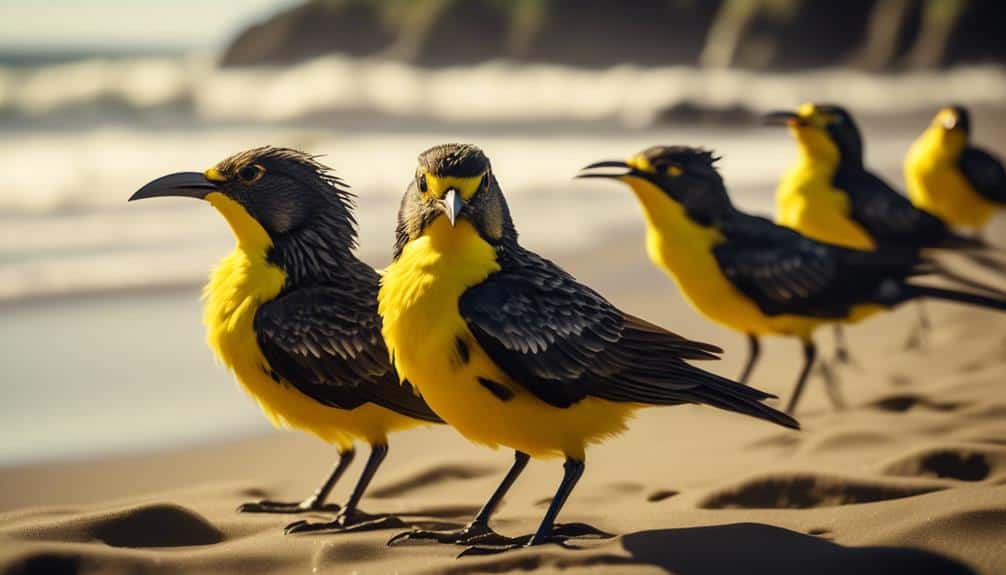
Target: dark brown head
455,183
686,175
277,200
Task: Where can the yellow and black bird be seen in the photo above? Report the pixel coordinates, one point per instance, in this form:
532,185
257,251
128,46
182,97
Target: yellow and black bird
754,276
511,350
947,176
830,195
293,313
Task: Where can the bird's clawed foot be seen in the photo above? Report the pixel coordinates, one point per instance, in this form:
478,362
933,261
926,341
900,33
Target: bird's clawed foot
471,534
308,505
347,522
918,338
844,358
561,534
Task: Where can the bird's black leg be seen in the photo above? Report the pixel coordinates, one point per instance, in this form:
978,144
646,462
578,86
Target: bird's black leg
842,354
917,337
573,470
315,502
809,354
478,531
350,518
832,385
754,350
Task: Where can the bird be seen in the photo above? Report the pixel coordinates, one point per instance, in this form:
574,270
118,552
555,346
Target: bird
752,275
511,350
293,314
829,194
947,176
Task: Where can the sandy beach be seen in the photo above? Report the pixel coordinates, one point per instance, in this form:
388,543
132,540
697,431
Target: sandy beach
910,478
127,448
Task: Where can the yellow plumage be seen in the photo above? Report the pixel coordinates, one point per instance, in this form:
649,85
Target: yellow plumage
806,200
238,286
419,303
684,250
936,184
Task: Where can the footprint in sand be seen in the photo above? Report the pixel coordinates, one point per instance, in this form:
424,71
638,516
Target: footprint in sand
961,463
661,494
807,490
903,402
146,526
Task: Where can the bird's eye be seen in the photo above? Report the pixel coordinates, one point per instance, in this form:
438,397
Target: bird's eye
674,170
422,183
250,173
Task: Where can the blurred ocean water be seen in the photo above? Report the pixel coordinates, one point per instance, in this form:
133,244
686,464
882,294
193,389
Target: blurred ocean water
79,136
126,368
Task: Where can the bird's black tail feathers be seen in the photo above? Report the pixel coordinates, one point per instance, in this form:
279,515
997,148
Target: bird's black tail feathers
976,250
964,281
913,291
732,396
955,241
987,260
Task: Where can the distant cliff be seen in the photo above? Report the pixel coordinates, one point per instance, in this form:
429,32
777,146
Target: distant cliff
786,34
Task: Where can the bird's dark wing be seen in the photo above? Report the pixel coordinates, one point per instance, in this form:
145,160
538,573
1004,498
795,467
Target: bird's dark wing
985,173
326,342
889,217
564,342
783,272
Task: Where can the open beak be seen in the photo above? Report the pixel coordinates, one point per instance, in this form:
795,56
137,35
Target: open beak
613,169
182,184
453,203
782,118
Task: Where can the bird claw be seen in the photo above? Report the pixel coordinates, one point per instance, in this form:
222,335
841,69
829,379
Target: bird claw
471,534
306,506
346,523
561,534
564,531
843,357
480,550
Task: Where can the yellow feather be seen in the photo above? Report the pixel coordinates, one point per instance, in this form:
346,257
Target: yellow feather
242,282
807,202
684,250
419,306
936,184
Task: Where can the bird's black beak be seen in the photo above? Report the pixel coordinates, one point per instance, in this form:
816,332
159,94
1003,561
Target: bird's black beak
613,169
182,184
452,205
782,118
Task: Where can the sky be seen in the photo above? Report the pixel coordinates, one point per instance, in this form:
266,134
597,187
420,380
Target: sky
54,24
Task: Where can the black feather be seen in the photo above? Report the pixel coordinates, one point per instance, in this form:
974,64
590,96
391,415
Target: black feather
564,342
985,173
326,342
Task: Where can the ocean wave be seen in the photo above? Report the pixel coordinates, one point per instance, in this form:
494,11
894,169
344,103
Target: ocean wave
493,92
63,185
68,228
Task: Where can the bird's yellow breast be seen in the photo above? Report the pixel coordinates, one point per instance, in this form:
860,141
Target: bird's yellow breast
684,250
425,332
807,202
240,284
936,184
